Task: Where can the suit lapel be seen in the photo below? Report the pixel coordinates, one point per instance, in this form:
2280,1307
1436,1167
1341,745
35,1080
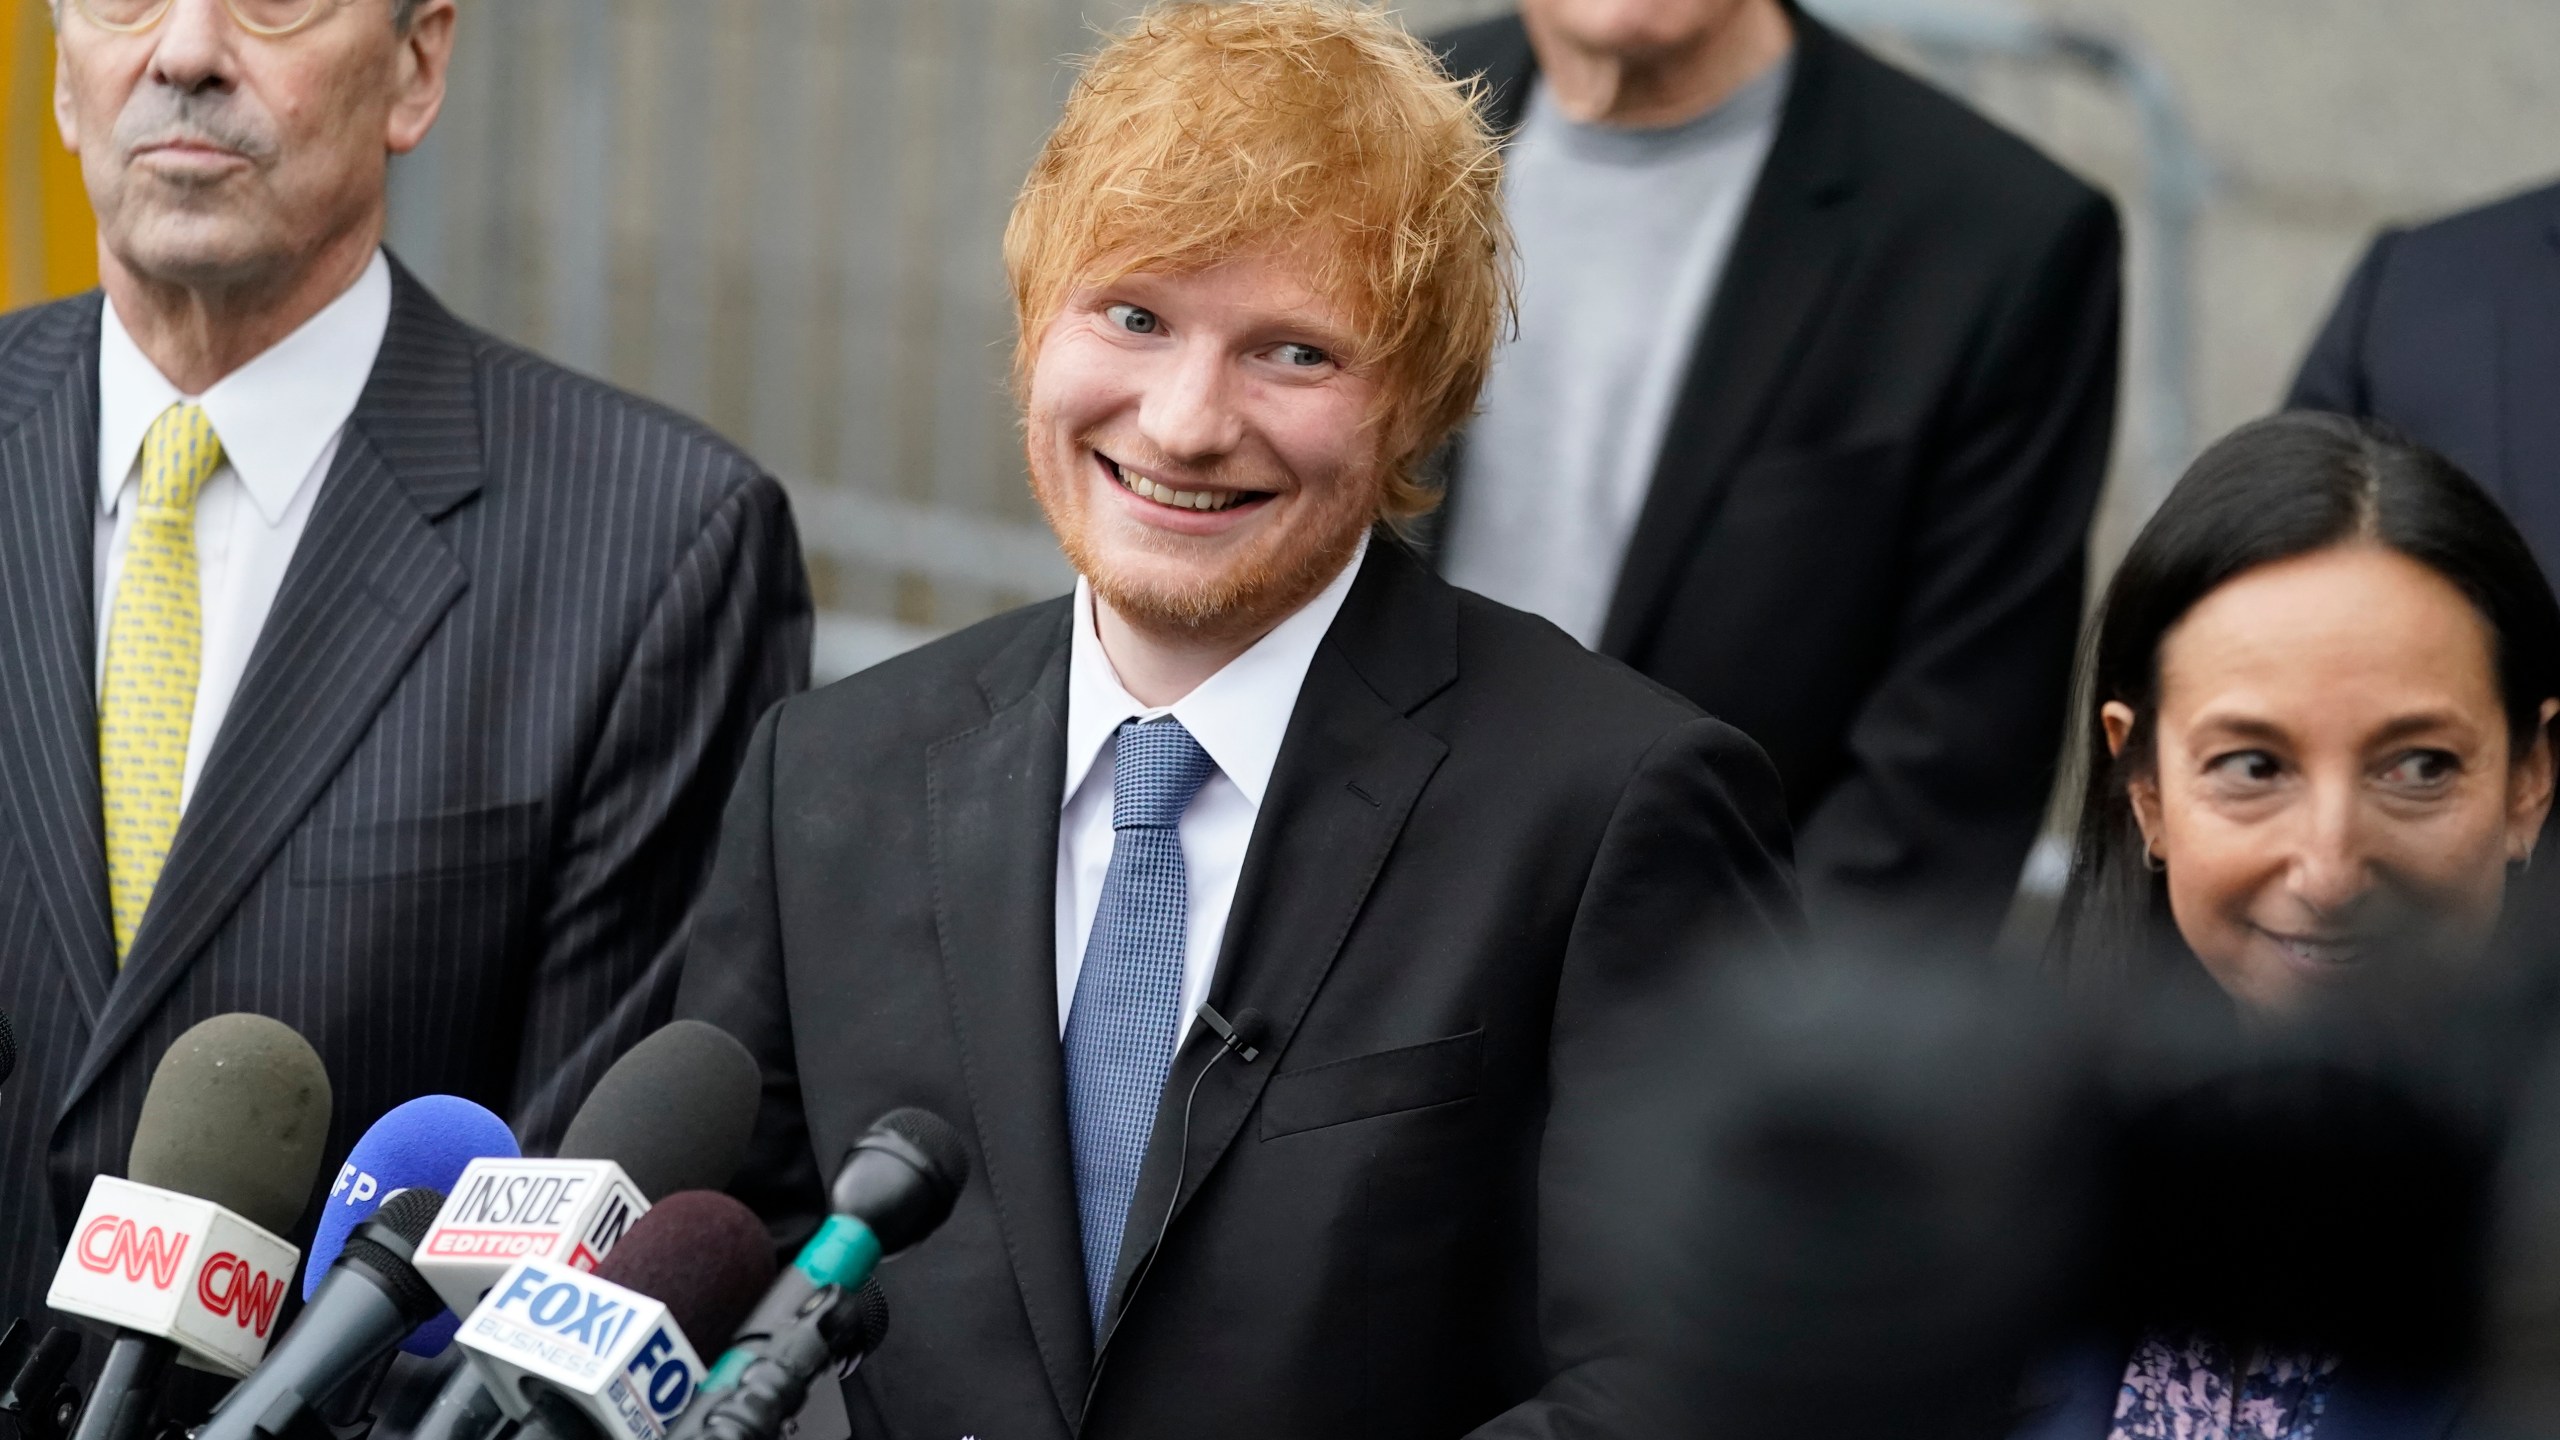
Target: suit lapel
48,636
369,581
1351,767
994,800
1787,255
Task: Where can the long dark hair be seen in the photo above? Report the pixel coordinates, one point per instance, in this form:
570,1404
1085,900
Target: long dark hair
2273,489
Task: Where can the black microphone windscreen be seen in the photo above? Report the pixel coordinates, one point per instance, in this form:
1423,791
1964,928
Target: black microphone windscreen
408,1214
934,1136
871,1318
703,1255
675,1113
236,1114
8,1047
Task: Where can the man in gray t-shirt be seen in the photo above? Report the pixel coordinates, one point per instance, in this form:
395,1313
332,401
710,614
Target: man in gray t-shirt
1805,419
1623,233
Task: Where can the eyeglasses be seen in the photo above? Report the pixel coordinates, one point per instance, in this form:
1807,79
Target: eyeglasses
268,18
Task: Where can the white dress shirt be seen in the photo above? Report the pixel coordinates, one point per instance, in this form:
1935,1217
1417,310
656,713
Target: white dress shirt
1238,715
278,418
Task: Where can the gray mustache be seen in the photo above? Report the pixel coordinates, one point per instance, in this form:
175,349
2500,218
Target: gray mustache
158,115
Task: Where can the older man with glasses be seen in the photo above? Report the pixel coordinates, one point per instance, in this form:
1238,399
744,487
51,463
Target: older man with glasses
355,668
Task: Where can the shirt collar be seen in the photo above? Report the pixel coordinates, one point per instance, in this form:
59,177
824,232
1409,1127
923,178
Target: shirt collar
273,415
1238,715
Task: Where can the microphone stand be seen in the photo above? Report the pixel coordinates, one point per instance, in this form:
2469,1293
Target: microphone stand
39,1401
120,1404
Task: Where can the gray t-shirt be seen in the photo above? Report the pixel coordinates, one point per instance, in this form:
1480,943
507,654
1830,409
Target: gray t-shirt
1623,235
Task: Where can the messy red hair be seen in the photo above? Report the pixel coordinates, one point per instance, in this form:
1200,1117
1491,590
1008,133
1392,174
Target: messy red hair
1207,132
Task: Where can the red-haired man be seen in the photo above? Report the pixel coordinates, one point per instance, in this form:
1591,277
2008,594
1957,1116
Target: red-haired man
1440,869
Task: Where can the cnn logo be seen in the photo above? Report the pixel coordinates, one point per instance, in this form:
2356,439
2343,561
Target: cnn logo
232,1286
111,1243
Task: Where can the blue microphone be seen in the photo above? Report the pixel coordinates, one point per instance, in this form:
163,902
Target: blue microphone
422,1145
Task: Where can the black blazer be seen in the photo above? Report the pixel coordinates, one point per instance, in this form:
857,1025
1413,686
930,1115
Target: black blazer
2451,332
1488,863
458,810
1865,536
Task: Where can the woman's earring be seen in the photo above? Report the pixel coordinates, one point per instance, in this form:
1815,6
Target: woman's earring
2151,860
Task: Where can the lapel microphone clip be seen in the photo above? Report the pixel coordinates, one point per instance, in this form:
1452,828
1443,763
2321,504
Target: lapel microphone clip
1227,1035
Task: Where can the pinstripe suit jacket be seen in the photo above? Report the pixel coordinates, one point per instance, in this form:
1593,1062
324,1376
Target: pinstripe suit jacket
453,823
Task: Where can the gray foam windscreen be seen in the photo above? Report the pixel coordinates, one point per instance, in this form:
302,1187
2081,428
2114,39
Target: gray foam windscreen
236,1114
675,1113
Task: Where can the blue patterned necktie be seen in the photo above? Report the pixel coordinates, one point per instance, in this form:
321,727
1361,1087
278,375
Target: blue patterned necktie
1127,1013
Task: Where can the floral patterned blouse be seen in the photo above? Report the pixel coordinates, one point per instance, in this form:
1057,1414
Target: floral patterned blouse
2193,1389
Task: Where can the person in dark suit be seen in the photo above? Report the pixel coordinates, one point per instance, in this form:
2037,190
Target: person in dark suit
361,670
2451,333
1448,876
1806,419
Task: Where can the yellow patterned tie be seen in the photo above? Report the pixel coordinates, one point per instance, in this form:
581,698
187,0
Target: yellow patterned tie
154,636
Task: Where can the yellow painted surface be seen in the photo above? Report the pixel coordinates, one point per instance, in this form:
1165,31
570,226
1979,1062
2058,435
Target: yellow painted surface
48,245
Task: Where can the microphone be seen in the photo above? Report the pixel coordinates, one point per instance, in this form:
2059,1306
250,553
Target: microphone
704,1253
369,1299
835,1328
423,1145
898,1182
676,1112
568,1354
37,1399
673,1114
1237,1039
187,1255
1242,1039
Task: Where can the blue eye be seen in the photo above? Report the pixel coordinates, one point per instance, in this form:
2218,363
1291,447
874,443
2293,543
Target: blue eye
1303,356
1133,319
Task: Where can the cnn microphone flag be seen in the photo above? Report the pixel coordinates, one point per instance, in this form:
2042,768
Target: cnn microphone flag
156,1262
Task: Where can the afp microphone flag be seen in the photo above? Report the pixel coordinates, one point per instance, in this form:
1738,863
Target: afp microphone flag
425,1144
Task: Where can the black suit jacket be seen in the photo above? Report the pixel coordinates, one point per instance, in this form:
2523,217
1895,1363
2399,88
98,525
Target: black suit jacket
1487,866
2451,332
1865,536
456,815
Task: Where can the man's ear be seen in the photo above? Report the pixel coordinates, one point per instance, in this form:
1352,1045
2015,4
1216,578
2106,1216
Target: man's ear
66,116
419,74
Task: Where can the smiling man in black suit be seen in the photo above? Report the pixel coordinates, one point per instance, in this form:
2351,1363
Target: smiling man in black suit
1447,874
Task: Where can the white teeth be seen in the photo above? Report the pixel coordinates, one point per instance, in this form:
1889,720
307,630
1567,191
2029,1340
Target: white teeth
1167,495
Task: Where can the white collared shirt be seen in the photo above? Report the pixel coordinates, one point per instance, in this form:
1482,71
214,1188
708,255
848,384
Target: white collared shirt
279,418
1239,716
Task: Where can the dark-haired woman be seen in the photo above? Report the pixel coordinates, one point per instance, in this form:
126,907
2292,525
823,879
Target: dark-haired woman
2318,750
2321,693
